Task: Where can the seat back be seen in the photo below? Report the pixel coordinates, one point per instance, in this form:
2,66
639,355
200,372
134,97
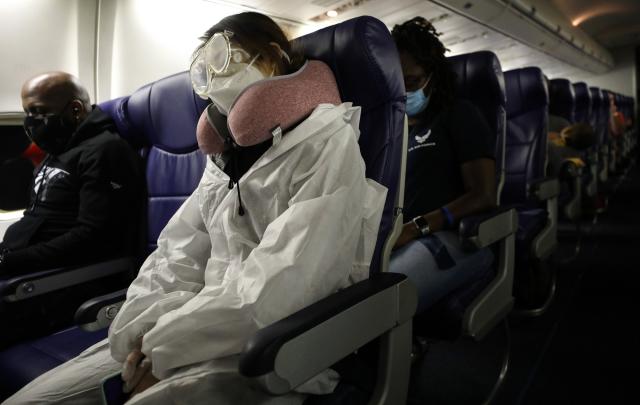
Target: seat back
595,119
526,140
160,120
603,117
583,108
582,103
479,80
365,62
562,99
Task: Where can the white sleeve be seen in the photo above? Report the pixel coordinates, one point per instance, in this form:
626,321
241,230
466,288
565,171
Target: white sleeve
171,276
304,255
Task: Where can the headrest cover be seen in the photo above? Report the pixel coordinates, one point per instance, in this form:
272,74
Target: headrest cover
526,91
282,101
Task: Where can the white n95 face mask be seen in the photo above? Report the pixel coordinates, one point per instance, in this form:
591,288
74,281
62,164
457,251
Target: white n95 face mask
226,91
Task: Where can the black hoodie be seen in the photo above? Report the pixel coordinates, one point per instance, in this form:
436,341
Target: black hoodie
86,203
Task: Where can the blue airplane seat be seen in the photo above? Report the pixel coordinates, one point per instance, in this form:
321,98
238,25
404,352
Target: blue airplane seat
583,114
354,50
562,99
600,117
479,80
364,60
365,42
527,185
595,116
164,132
473,311
173,162
583,103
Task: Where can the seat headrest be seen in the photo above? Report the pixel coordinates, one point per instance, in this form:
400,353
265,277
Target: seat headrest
165,113
479,79
117,110
583,102
596,97
363,58
526,90
278,102
562,99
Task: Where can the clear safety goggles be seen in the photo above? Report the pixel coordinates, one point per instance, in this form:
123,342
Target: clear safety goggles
218,58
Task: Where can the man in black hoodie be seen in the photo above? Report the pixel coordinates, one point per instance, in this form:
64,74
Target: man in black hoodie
87,196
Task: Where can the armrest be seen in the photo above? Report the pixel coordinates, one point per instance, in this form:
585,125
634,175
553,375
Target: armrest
544,189
327,331
99,312
478,231
25,286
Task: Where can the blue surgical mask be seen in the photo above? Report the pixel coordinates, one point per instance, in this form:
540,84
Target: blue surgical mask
416,102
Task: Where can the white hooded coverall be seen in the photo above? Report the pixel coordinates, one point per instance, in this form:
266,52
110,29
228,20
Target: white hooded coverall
310,227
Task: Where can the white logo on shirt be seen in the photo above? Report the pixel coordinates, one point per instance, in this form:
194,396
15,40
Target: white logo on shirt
115,185
45,177
422,139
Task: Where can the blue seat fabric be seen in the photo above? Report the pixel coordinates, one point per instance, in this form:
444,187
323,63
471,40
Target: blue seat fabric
24,362
582,103
479,80
562,99
583,114
527,120
160,119
365,63
596,120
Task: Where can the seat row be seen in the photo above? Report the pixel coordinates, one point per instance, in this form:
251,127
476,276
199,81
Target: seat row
160,120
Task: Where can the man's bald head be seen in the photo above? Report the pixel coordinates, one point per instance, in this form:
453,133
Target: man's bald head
50,92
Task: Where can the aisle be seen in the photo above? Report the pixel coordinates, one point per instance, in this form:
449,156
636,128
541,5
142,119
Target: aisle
592,355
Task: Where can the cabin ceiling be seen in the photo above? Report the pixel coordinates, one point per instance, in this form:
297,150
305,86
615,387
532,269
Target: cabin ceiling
459,33
612,23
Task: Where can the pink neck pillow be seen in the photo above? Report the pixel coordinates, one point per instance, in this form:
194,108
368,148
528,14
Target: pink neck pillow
263,107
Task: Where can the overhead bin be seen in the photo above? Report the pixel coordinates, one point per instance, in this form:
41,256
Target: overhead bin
538,26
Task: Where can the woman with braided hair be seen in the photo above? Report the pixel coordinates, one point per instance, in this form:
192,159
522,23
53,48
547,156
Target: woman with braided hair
450,173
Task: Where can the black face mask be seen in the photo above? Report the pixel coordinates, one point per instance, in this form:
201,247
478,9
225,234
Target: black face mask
49,131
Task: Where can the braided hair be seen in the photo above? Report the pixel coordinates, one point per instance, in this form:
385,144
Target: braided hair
419,38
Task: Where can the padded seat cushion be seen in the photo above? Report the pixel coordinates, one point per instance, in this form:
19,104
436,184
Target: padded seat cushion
26,361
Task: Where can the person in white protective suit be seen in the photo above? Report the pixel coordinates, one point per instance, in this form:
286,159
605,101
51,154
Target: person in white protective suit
301,224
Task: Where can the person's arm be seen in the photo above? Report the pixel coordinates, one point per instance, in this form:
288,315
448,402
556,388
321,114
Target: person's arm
171,276
479,177
305,254
96,216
